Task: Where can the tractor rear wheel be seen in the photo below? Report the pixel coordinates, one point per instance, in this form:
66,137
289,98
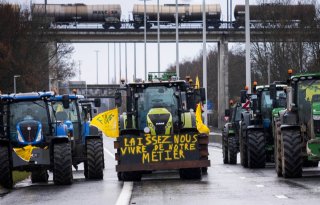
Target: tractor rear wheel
94,164
277,147
130,176
5,168
190,173
256,149
40,175
62,164
232,150
291,153
225,150
243,147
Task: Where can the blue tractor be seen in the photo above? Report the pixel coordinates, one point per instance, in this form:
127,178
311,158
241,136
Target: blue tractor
33,139
75,112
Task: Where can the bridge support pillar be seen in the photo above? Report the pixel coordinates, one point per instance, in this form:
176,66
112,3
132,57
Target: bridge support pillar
223,80
52,62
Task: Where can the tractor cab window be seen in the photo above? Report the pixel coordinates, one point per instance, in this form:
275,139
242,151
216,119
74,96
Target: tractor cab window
153,98
266,104
306,89
63,114
281,100
28,111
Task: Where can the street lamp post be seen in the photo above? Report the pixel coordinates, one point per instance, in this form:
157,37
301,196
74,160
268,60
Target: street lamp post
97,61
177,41
158,35
204,55
14,83
248,66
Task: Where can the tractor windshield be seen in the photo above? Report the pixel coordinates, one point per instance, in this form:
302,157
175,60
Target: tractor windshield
28,110
156,97
63,114
267,103
305,90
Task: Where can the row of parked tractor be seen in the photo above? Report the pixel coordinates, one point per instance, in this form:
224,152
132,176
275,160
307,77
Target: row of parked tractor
277,123
41,132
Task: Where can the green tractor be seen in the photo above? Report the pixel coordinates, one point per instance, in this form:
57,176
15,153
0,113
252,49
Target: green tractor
158,130
256,126
298,129
230,134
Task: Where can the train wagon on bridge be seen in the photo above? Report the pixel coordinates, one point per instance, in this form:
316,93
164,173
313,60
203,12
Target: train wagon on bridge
186,14
269,15
65,14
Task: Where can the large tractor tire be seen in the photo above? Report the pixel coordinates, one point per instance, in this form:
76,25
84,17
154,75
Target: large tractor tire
95,163
225,150
308,163
130,176
256,149
190,173
40,175
62,164
277,147
291,153
232,150
243,149
5,168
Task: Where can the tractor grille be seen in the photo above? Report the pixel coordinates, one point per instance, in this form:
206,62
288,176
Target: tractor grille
316,126
29,130
159,121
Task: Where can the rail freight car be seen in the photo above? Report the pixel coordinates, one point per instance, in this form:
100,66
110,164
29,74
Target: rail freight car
186,14
273,14
65,14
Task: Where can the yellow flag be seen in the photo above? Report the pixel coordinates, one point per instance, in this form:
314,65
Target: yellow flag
107,122
202,128
197,85
25,153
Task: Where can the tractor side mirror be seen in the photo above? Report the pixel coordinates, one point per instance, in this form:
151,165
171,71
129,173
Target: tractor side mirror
65,101
97,102
243,96
227,113
203,95
118,99
273,92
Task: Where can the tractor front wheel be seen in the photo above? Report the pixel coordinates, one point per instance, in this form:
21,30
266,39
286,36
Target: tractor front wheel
5,168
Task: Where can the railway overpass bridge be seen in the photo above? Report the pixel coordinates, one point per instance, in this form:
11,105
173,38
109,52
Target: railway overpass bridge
221,36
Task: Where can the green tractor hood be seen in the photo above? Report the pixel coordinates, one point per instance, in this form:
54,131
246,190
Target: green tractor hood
159,121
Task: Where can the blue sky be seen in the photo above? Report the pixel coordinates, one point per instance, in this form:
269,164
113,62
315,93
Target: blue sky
86,55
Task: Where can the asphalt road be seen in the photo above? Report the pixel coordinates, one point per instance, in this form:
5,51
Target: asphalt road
224,184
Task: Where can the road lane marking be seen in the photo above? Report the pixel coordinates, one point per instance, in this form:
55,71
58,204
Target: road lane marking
108,152
125,195
281,196
260,185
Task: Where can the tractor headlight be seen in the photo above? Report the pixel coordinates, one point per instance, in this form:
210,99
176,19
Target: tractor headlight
316,117
146,130
39,136
20,139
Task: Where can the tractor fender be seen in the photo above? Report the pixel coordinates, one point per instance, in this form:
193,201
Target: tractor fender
255,127
226,128
245,118
289,118
289,127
